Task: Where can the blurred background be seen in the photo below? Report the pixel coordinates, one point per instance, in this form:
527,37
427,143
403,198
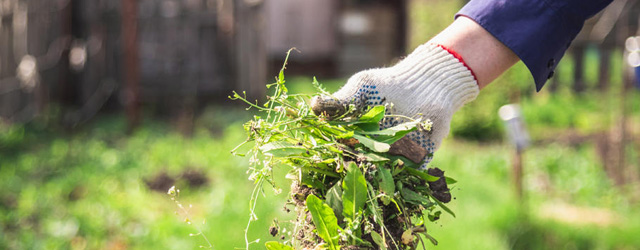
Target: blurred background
104,105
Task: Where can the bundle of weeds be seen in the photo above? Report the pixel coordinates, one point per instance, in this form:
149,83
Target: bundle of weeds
348,190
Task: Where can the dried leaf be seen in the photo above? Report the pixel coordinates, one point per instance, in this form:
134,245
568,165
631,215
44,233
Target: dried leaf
407,237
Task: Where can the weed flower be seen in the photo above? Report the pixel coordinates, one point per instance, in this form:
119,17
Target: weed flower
426,125
173,191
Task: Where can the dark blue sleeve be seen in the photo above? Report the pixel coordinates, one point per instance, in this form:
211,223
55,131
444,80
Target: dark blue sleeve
538,31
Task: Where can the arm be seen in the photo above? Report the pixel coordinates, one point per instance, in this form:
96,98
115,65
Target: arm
487,57
538,32
439,77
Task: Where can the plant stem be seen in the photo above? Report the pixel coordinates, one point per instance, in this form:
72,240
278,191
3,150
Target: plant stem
188,219
252,207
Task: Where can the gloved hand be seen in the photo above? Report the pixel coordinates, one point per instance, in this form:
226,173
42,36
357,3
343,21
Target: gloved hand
430,83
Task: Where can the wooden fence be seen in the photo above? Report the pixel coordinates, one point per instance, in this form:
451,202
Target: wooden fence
89,55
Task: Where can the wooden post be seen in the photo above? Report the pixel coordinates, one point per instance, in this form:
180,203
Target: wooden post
578,73
251,55
517,173
605,64
620,131
7,64
519,136
130,65
402,27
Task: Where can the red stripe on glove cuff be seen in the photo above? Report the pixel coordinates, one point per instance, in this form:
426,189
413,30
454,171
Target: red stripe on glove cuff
457,56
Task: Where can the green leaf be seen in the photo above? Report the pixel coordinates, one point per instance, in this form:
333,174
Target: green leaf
334,198
386,199
354,191
415,198
274,245
422,174
378,240
445,208
386,181
374,115
393,134
433,240
308,180
403,127
370,121
435,216
328,161
319,87
282,149
372,144
372,126
371,157
400,163
339,132
344,135
450,181
284,66
325,221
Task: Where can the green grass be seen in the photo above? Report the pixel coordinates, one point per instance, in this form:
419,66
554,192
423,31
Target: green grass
491,218
90,187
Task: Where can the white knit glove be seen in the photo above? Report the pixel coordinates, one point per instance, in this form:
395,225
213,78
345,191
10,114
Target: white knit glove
430,83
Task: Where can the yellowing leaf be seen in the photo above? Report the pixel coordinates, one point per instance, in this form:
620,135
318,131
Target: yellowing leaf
407,237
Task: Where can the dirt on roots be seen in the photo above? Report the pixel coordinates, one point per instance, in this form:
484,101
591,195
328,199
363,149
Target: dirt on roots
395,221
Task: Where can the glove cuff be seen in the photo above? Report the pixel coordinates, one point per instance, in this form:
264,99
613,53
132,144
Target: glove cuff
438,74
